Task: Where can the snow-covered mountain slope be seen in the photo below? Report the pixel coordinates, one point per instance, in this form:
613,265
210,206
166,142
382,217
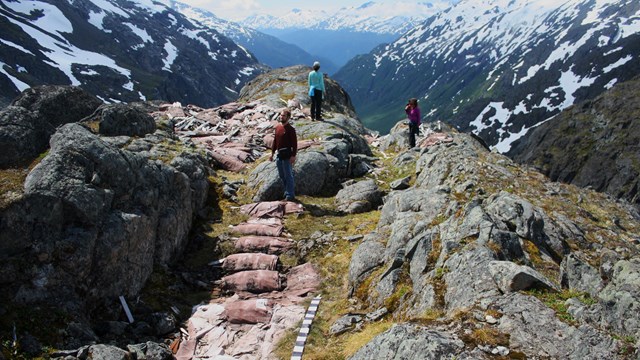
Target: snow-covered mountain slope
268,49
383,17
499,67
118,50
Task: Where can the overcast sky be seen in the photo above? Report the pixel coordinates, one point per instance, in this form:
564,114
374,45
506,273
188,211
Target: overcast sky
240,9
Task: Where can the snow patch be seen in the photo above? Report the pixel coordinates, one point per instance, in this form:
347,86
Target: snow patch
53,20
20,85
97,19
610,84
247,71
172,54
62,54
109,7
141,33
618,63
570,83
16,46
89,72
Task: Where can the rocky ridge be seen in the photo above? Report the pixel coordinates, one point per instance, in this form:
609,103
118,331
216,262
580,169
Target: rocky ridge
118,193
482,257
469,256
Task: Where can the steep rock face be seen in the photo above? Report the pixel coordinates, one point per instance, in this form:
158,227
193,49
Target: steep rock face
595,143
97,214
477,240
118,50
498,68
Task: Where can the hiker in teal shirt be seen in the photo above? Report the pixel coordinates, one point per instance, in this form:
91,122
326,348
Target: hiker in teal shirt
316,90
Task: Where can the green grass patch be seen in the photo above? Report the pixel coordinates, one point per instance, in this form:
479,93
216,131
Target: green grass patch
556,301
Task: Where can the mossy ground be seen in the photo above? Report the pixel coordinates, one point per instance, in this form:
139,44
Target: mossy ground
12,181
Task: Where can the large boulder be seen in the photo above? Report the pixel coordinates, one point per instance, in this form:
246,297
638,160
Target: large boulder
27,125
511,277
412,342
578,275
23,136
360,197
121,119
58,104
318,170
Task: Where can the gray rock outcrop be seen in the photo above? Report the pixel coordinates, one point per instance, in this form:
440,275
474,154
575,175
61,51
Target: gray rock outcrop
27,125
57,104
290,83
360,197
412,342
23,136
475,231
97,215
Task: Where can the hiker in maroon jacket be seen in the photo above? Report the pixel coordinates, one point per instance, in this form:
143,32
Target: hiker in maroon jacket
285,145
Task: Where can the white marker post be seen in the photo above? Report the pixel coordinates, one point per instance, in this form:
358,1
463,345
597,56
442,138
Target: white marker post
126,309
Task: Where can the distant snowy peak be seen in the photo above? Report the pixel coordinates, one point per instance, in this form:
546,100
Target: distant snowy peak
387,17
296,19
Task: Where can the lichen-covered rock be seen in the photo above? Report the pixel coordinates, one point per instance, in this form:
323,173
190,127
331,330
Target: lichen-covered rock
620,299
409,342
367,257
121,119
345,323
95,219
534,329
578,275
107,352
360,197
